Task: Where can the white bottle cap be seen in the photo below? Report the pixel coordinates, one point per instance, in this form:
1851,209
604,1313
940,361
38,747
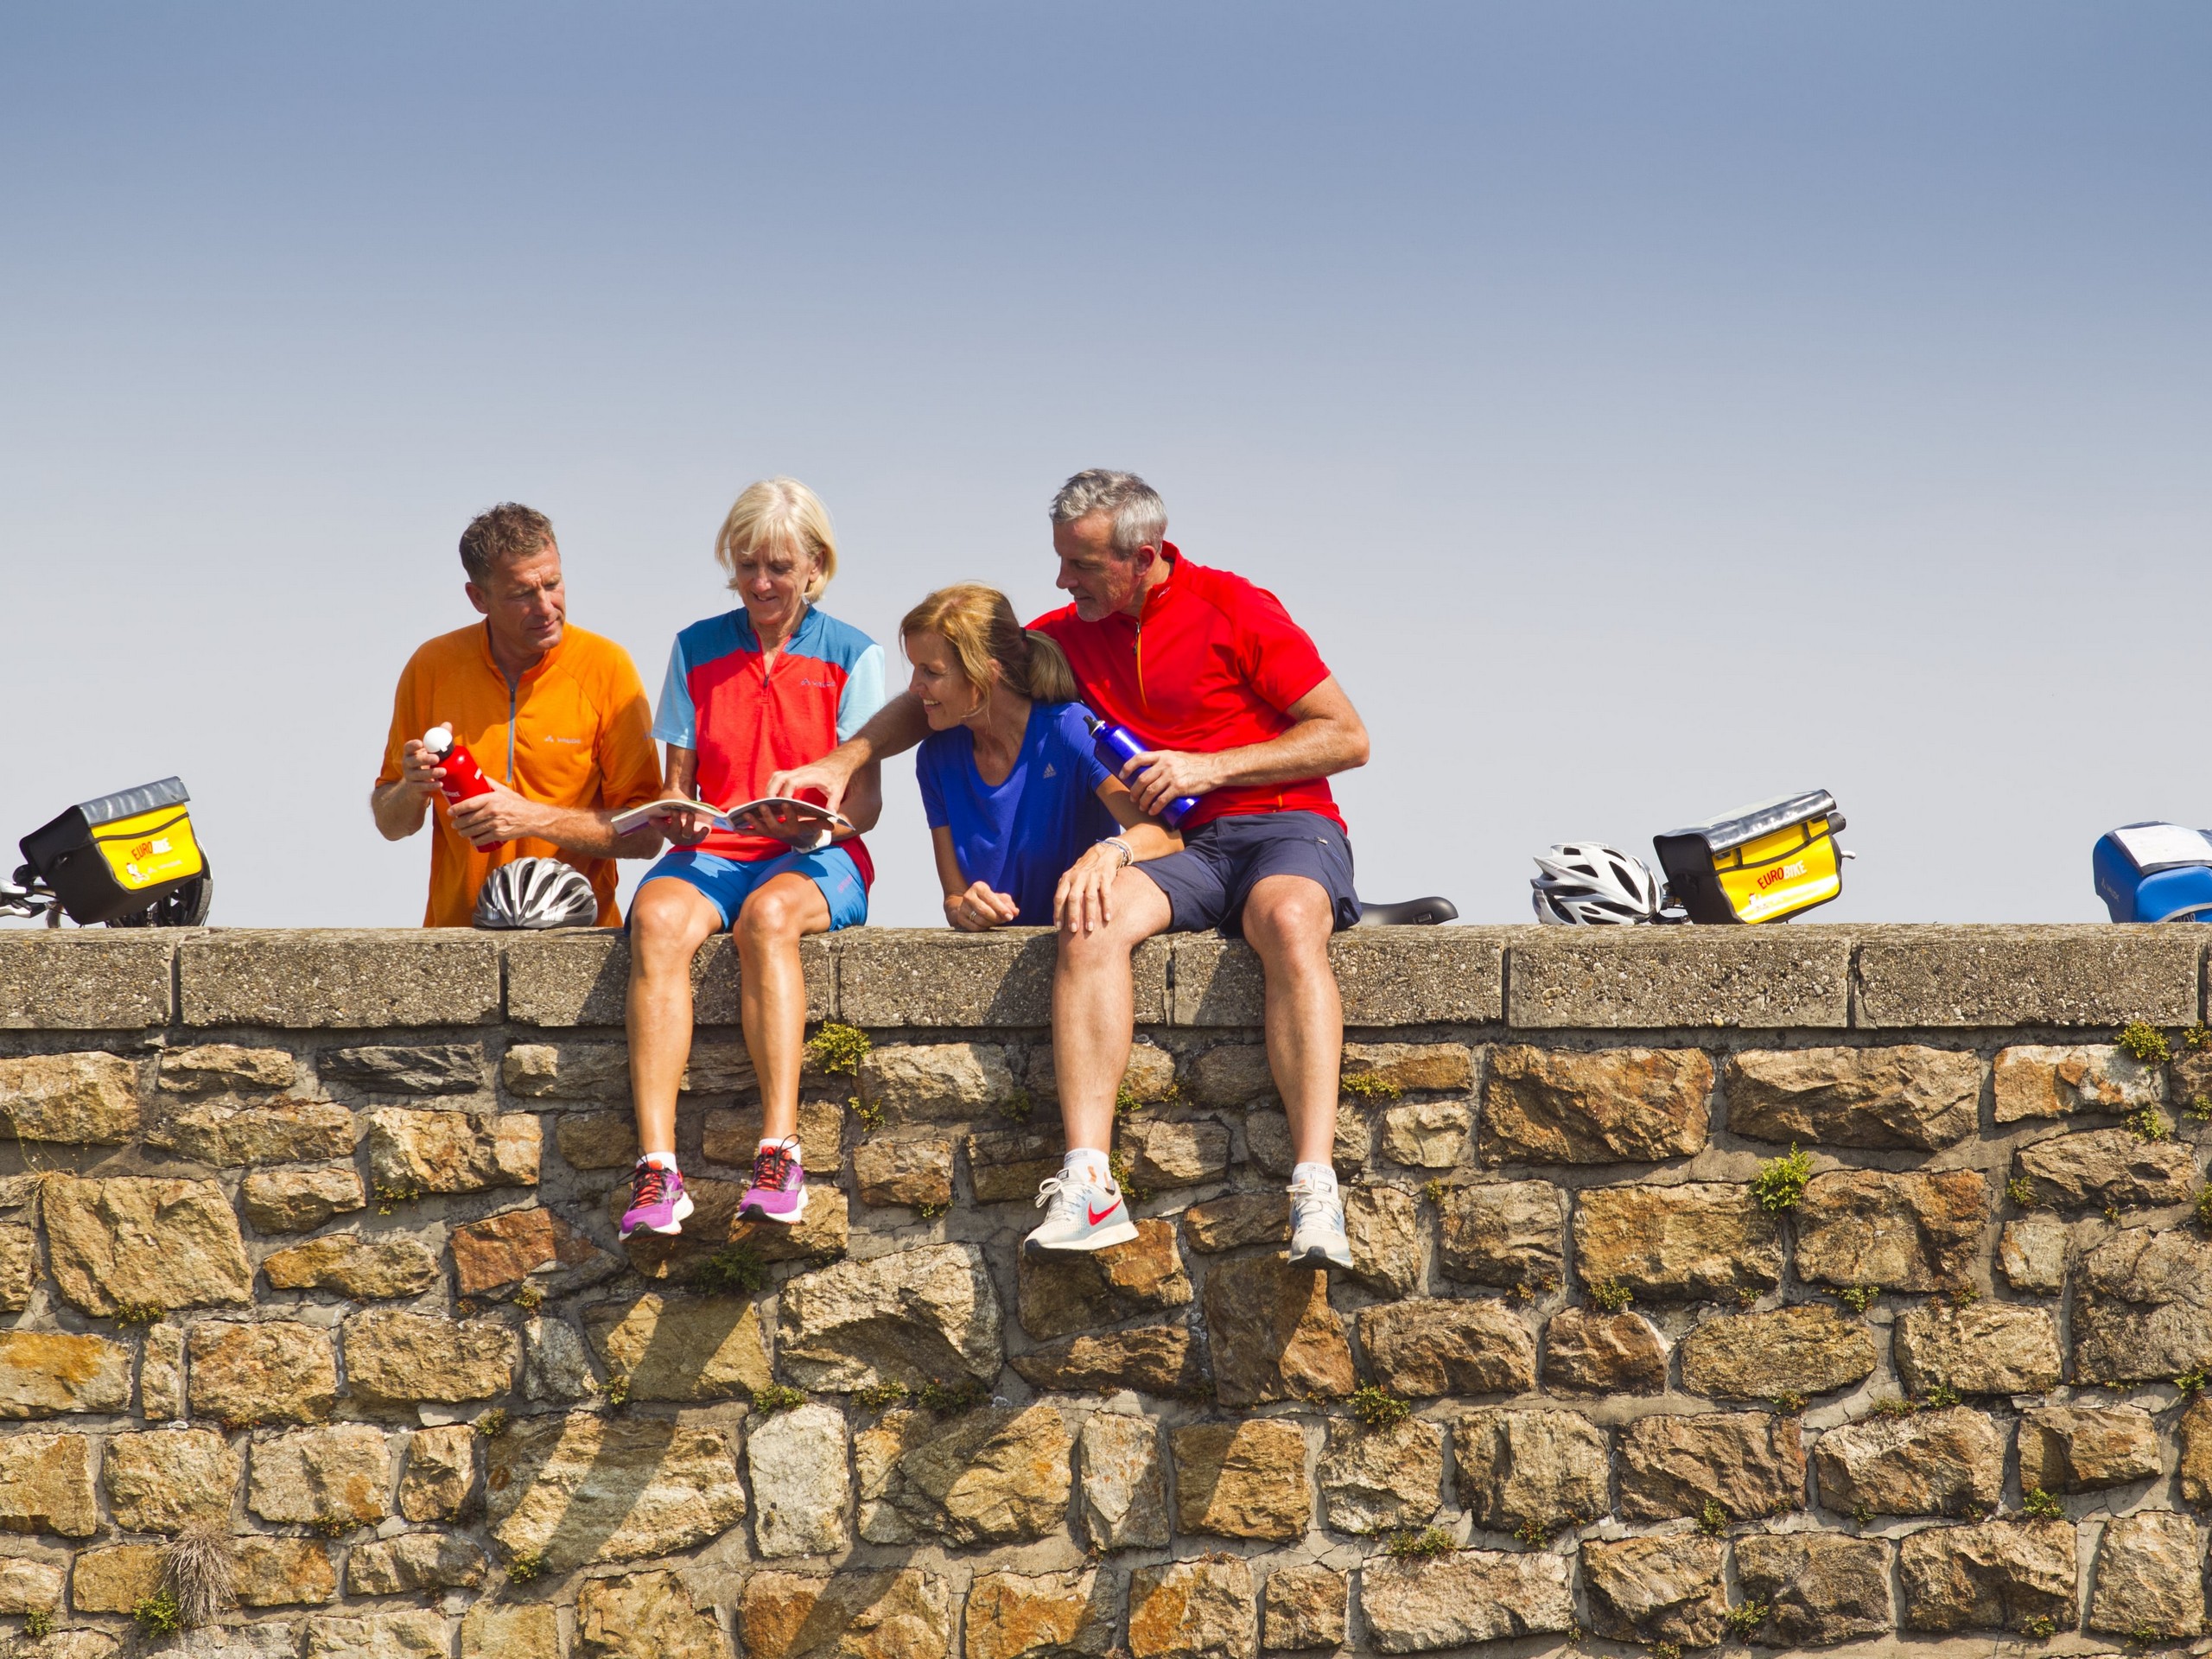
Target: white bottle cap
438,739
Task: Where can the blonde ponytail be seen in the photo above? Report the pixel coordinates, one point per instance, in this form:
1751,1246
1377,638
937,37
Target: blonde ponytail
1051,679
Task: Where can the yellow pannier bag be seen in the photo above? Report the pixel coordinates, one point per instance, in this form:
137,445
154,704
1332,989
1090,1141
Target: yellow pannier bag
1759,863
121,853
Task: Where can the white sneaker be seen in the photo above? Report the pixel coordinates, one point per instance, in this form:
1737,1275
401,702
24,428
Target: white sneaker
1317,1226
1080,1214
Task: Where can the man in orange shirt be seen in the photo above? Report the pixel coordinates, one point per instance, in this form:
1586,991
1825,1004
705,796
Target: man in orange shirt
555,716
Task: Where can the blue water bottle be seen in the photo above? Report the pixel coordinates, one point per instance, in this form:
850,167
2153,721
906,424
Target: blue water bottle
1117,746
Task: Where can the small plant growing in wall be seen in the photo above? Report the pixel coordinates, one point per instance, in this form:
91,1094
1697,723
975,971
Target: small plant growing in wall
1535,1534
389,1193
39,1625
2041,1505
2150,1124
1435,1192
2197,1036
952,1398
870,1113
1711,1519
732,1270
1858,1298
1746,1617
531,1297
1890,1404
128,1314
776,1397
615,1391
2040,1628
1611,1296
1126,1101
2192,1381
492,1424
1781,1181
1942,1397
524,1568
838,1049
1377,1407
1369,1085
199,1569
1018,1107
158,1614
1961,1294
332,1526
2141,1040
2199,1110
1666,1650
1789,1403
2020,1192
1861,1514
879,1396
1418,1546
1747,1297
1117,1164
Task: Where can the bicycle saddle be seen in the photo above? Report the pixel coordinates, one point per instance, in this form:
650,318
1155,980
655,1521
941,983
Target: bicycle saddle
1407,912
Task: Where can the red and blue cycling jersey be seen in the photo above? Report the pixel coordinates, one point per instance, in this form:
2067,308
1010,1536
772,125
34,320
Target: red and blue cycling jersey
748,718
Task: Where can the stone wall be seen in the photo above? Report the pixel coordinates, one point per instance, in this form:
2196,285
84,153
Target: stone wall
306,1243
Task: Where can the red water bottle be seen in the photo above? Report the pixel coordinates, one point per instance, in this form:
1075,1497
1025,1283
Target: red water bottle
464,779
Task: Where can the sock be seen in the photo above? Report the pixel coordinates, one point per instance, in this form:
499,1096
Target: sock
1322,1177
1088,1164
664,1159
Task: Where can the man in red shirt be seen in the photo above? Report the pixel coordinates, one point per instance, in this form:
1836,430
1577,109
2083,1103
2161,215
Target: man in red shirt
1239,710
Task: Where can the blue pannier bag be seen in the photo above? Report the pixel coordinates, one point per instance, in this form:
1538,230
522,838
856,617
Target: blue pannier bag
2154,872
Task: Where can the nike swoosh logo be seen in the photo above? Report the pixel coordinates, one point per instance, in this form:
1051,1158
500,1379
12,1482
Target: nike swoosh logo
1098,1216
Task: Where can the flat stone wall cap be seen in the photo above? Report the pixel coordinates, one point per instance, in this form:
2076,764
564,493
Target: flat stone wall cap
1626,978
924,976
1387,976
2087,973
563,979
349,978
89,979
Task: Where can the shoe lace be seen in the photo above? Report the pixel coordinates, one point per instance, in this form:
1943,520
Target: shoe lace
648,1184
772,1165
1313,1203
1060,1198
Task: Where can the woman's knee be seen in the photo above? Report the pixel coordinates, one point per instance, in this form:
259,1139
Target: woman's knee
666,926
774,916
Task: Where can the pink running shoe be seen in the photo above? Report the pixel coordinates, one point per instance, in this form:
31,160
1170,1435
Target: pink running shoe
658,1200
778,1188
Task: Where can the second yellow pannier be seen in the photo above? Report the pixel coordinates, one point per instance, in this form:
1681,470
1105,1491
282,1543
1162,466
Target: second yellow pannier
1760,863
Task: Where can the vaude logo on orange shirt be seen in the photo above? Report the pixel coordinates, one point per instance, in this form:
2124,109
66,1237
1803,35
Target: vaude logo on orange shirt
548,737
821,685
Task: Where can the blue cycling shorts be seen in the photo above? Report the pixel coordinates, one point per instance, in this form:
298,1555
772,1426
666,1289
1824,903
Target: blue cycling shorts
728,882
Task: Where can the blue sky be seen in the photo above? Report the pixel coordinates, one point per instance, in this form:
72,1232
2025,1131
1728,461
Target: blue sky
1646,408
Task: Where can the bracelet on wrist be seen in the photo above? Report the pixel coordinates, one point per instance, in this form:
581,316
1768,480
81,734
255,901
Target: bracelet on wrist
1128,853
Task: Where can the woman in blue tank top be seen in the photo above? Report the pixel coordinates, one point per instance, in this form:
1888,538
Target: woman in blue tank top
1029,826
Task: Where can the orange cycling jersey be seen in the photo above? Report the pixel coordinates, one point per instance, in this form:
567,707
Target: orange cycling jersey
575,732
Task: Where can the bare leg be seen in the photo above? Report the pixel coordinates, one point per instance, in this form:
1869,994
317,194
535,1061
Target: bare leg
668,921
772,997
1094,1009
1288,921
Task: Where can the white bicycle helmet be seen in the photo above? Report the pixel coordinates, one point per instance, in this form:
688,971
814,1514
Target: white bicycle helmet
1589,883
536,892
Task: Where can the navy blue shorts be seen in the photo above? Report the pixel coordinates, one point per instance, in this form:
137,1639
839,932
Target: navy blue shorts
1208,881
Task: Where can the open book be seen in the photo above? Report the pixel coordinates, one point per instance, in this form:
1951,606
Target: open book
802,824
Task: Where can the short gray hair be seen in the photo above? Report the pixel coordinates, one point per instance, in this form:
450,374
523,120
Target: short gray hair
1140,516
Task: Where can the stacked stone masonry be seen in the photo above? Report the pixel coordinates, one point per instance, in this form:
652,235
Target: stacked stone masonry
308,1256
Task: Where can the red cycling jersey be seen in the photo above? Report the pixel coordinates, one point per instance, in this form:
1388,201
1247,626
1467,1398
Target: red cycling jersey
1214,662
